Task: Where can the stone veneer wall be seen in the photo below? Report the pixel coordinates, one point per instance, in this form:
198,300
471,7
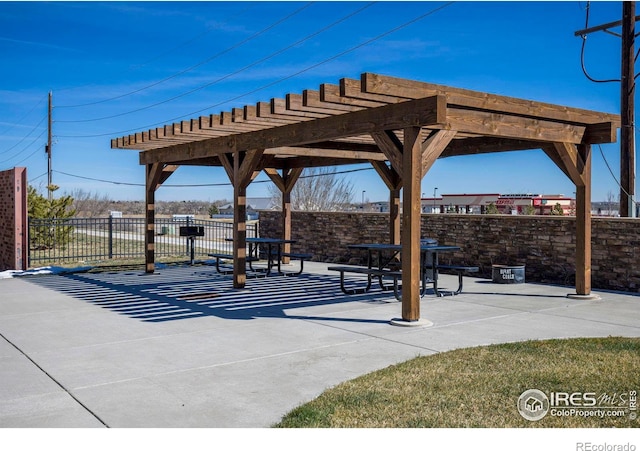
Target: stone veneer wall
13,219
545,244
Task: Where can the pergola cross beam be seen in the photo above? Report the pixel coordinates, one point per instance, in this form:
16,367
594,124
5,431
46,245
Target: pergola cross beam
419,112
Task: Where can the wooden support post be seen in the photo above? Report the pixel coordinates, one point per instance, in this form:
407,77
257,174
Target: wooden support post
417,158
394,216
239,222
239,236
392,179
411,214
286,224
285,184
150,218
583,225
241,171
575,162
289,177
156,174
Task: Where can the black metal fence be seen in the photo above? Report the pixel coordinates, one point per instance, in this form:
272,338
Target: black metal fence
95,239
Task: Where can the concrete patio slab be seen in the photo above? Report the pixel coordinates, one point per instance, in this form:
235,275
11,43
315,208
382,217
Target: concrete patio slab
182,348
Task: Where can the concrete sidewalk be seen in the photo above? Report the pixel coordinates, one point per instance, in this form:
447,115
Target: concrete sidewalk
181,348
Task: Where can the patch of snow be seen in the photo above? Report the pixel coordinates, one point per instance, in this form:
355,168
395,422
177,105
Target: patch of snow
43,270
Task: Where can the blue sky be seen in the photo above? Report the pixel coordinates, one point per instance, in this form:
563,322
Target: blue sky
119,67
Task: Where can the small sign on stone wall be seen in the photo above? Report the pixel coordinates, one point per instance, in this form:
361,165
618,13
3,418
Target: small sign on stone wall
508,274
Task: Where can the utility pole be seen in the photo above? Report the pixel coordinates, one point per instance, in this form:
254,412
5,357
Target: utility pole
627,104
48,149
627,116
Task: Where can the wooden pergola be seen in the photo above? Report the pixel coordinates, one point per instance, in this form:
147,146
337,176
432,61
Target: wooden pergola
399,126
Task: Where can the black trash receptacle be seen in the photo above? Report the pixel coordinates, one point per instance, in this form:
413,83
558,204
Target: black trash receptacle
428,242
508,273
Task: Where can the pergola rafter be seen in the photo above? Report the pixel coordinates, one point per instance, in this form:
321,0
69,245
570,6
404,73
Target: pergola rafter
400,126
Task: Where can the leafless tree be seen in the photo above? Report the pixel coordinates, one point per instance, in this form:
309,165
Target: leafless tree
88,204
317,189
610,202
92,205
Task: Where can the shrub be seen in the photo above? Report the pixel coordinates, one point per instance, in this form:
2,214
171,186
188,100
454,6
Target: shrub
50,220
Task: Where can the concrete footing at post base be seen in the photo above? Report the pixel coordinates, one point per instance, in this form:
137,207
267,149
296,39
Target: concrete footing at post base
584,297
404,323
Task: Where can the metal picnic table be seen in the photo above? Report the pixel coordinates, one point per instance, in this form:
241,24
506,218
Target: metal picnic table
388,257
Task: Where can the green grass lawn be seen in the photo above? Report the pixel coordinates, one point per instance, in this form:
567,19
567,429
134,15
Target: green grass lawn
94,251
479,388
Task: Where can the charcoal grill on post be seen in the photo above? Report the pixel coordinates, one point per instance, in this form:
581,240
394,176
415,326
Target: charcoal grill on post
191,232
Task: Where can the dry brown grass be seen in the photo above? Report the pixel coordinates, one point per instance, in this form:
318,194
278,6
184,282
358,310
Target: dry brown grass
479,387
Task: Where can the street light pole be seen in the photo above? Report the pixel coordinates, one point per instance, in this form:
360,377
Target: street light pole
434,199
363,191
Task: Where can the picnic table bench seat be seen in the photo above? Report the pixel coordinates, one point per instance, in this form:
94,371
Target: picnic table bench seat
221,256
294,256
460,270
370,272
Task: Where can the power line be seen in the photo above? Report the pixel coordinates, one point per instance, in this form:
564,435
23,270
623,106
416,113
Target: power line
23,117
195,38
255,63
584,41
131,68
25,137
188,69
295,74
614,177
36,178
25,148
369,41
26,158
113,182
22,151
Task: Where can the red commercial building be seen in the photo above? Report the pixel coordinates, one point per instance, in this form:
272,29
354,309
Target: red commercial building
513,204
